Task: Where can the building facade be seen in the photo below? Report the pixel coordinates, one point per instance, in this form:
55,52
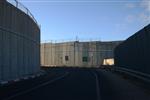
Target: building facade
77,54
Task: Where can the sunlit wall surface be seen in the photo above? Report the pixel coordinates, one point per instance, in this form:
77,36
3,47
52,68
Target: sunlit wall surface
108,61
134,53
19,43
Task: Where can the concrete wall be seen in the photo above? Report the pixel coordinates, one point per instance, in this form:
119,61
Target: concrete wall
134,53
53,54
19,43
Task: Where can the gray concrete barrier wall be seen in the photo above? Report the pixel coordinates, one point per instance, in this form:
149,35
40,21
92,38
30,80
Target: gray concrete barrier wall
94,52
134,53
19,43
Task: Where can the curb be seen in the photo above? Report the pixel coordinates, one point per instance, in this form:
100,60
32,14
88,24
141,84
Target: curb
41,73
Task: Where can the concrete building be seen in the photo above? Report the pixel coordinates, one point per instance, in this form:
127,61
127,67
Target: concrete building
19,41
77,54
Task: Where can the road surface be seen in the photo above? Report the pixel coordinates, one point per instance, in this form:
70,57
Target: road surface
80,84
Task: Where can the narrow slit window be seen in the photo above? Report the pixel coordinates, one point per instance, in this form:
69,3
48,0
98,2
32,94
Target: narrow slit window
66,58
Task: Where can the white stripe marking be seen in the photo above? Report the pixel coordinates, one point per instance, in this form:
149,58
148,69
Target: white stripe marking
97,86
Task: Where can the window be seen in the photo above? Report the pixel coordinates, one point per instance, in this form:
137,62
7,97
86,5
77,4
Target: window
85,59
66,58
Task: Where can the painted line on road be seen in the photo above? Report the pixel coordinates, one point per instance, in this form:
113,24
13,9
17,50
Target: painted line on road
39,86
97,86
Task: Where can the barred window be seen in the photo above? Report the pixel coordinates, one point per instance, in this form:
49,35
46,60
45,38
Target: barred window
85,59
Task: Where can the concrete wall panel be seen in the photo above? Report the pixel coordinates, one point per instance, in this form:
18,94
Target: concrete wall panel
53,54
19,43
134,52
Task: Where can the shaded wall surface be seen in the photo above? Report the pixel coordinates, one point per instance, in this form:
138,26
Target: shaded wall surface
134,53
80,54
19,43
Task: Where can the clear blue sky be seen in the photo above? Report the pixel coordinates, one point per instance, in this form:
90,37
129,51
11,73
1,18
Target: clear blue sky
89,19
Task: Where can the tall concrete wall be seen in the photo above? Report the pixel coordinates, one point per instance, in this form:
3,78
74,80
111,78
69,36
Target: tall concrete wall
19,43
134,53
53,54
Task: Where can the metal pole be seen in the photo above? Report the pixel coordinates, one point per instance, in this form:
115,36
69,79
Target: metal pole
74,54
55,53
16,3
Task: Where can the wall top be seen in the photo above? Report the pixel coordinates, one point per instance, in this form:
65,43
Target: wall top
22,8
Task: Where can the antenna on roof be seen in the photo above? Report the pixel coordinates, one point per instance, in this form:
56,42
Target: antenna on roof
77,39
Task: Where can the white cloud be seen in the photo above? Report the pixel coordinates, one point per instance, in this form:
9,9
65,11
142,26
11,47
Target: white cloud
145,4
144,17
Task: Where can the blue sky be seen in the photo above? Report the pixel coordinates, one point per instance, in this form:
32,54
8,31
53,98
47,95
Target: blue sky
104,20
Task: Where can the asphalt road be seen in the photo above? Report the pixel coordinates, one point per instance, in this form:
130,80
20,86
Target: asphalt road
81,84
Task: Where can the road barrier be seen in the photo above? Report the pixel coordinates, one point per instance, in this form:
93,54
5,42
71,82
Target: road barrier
136,74
134,52
19,43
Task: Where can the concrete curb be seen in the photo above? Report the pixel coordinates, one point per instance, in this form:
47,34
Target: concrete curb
41,73
38,86
141,76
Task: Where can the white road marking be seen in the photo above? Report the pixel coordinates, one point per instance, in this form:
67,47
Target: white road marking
97,86
34,88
